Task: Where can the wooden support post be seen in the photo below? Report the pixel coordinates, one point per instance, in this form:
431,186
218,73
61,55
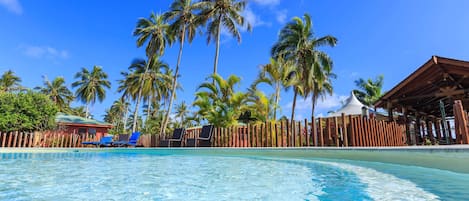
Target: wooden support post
288,133
321,134
437,124
336,132
300,132
352,130
417,130
344,131
306,132
282,135
15,139
4,136
314,132
430,131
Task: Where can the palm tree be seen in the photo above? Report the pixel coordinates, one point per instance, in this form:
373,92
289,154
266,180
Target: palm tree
78,111
223,14
91,86
297,43
278,73
58,92
184,22
9,82
369,91
144,80
218,102
153,32
181,112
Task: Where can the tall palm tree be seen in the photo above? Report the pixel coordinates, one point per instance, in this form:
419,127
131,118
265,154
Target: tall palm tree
58,92
297,43
278,73
184,23
223,14
152,31
9,82
144,79
181,112
369,91
91,86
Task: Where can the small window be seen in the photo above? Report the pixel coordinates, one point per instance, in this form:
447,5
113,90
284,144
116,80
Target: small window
81,131
92,131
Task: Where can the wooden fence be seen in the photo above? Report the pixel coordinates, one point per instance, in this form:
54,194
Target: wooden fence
341,131
57,139
461,125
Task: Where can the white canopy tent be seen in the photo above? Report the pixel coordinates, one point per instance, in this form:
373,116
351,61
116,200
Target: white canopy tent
352,107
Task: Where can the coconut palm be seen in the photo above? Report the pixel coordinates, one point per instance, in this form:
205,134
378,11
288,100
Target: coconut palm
278,74
181,113
91,86
369,91
58,92
9,82
223,14
78,111
145,80
297,43
184,23
153,32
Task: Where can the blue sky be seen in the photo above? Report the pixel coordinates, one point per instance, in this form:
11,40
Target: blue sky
57,38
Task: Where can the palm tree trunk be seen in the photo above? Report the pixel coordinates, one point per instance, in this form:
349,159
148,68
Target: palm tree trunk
295,94
148,109
277,97
173,87
86,110
137,103
126,117
217,48
313,103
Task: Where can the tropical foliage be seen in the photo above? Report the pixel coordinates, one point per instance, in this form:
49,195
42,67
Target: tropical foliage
297,43
369,91
26,111
58,92
218,102
9,82
223,14
91,86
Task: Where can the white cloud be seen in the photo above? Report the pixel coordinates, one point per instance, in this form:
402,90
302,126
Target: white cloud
252,18
12,5
281,16
267,2
41,52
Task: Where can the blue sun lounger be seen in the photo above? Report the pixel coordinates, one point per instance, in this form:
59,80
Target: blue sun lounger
105,141
131,142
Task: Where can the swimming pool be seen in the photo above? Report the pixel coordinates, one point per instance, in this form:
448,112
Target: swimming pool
234,174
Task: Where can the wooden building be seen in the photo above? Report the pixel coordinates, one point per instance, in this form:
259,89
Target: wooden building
425,100
79,125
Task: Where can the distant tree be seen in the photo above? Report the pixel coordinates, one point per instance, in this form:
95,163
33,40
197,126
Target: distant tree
278,74
369,91
181,113
58,92
223,14
26,111
9,82
91,86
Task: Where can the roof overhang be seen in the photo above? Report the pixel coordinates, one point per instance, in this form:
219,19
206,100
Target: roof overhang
438,79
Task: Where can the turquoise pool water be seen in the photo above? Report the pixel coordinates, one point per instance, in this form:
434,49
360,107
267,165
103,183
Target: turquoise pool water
232,174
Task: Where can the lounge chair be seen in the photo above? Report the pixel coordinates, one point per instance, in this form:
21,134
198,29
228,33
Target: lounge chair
204,138
131,142
104,141
178,133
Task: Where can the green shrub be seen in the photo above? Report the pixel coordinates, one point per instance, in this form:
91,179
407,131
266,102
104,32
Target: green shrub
28,111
